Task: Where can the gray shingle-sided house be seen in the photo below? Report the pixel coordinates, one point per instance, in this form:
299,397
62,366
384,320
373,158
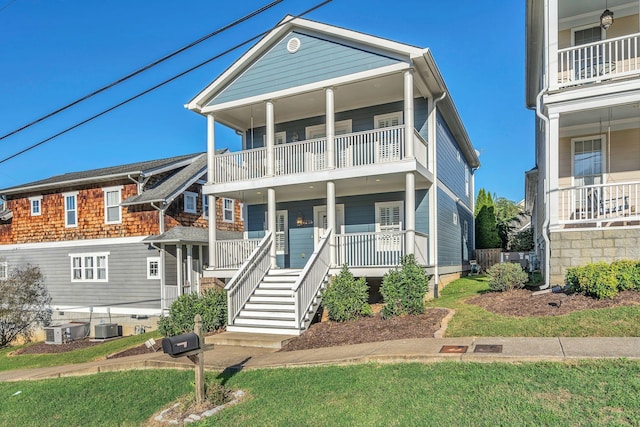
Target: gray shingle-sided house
117,242
353,153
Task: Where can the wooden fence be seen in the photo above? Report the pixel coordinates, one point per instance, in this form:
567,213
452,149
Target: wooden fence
487,258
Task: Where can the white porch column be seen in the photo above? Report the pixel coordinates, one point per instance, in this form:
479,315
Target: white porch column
163,280
179,268
330,127
331,220
271,224
553,173
190,266
408,114
270,139
211,151
552,48
410,212
199,273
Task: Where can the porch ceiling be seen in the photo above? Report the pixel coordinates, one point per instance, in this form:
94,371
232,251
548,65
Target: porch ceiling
318,190
600,120
379,90
572,13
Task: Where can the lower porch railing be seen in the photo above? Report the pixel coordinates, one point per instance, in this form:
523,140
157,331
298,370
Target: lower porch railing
230,254
378,249
311,279
243,284
601,203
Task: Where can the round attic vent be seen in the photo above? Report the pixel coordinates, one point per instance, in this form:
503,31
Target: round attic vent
293,45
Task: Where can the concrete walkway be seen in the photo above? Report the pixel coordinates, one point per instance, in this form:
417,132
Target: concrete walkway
483,349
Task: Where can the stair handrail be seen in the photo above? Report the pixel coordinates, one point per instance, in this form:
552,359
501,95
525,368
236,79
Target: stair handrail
245,281
315,270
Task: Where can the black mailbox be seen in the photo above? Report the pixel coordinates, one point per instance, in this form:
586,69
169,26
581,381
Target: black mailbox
180,344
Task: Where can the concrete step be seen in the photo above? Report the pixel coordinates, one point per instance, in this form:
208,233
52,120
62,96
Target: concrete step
247,339
264,330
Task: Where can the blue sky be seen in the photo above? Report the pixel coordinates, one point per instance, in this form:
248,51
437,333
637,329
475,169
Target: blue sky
55,51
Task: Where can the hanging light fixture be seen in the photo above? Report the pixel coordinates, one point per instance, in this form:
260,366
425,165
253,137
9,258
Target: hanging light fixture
606,19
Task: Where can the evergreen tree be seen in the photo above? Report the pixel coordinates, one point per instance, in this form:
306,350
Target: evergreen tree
486,232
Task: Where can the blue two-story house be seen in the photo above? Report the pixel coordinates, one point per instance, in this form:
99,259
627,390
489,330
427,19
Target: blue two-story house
353,153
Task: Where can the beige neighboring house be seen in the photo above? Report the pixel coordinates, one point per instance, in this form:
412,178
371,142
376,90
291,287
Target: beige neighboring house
583,81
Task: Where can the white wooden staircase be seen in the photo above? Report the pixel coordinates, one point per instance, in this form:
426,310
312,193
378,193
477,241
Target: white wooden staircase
271,308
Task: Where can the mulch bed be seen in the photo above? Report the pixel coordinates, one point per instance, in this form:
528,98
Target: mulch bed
522,302
42,348
368,329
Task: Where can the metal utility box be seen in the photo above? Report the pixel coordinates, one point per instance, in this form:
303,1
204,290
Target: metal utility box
67,332
107,330
180,344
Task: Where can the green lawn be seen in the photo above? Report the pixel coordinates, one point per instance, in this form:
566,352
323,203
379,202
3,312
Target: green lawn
88,354
471,320
446,393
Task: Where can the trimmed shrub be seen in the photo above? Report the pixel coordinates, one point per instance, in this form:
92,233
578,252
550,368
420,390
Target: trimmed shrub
346,298
627,274
596,280
403,289
507,276
211,306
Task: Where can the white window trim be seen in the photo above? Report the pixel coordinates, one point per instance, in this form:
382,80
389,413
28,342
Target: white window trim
205,206
149,261
343,126
455,218
398,114
603,153
603,32
285,213
385,244
95,256
379,205
39,200
241,206
225,210
108,190
467,179
73,194
4,272
187,195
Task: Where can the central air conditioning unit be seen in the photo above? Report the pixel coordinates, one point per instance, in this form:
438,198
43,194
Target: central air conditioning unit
66,332
107,330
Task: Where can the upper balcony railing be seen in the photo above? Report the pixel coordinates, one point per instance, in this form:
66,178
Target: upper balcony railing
597,61
369,147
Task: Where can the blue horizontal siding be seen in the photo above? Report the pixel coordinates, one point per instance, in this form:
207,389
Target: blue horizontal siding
451,162
316,60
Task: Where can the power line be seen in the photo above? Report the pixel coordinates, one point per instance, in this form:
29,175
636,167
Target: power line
7,5
143,69
102,113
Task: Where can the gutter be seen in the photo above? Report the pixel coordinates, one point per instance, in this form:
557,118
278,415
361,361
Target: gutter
435,197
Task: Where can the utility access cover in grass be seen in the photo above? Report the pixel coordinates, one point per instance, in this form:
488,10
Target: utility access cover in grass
454,349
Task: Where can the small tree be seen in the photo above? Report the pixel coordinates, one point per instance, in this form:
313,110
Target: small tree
24,304
522,241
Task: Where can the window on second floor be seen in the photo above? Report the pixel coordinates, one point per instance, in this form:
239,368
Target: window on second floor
228,210
467,178
205,206
112,209
70,209
36,205
190,202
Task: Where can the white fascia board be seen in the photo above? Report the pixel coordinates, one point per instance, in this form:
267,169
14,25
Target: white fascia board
74,243
351,78
71,182
600,97
287,24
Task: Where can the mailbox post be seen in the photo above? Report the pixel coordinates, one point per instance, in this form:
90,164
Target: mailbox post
192,346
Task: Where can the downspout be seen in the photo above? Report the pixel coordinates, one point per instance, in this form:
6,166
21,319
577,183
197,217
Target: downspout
436,273
547,157
161,212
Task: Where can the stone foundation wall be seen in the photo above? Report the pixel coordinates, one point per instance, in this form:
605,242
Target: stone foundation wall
575,248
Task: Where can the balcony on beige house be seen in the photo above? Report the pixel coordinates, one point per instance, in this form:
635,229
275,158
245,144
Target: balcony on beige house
599,167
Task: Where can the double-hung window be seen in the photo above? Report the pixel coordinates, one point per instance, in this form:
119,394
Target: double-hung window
36,205
112,209
70,209
4,270
388,141
190,202
153,268
90,267
227,210
389,217
282,230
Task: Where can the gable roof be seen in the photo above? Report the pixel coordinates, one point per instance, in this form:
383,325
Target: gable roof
142,169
